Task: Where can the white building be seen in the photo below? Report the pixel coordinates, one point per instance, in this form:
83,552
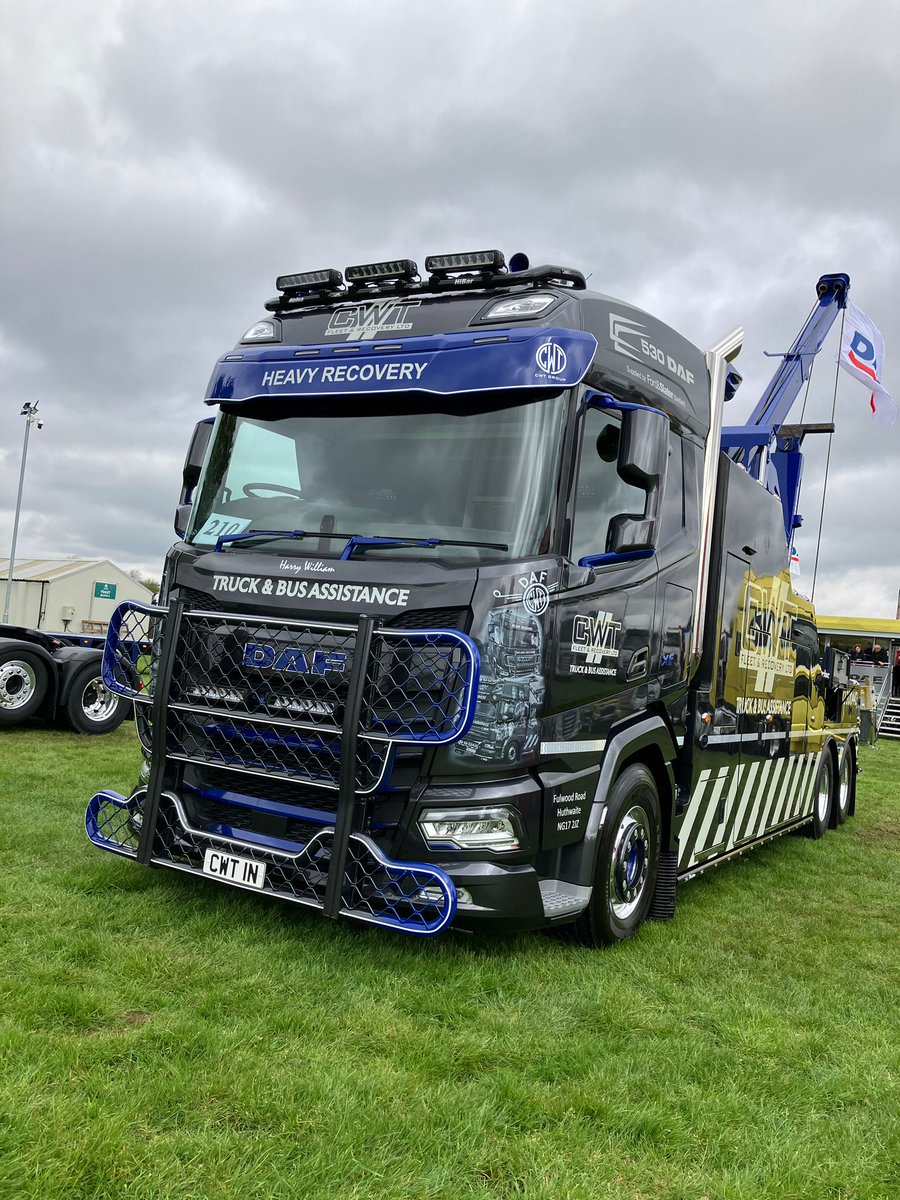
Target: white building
74,595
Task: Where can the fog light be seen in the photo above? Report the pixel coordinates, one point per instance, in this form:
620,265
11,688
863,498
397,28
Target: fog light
434,895
470,829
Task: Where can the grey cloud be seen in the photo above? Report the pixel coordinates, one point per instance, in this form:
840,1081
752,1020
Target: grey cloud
169,160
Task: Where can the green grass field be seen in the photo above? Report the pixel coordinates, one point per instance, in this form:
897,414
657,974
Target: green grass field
165,1037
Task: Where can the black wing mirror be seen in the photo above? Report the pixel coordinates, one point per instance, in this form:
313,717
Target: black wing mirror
190,473
643,457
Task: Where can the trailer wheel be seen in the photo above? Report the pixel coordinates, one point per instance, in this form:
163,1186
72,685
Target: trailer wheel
23,685
823,799
627,861
843,795
91,707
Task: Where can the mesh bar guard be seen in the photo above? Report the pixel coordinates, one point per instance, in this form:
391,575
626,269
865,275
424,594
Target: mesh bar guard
410,897
267,695
304,701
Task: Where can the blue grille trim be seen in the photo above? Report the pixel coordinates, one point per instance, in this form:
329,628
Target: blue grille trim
108,823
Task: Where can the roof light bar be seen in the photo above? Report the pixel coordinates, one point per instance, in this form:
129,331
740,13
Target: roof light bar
397,268
476,260
310,280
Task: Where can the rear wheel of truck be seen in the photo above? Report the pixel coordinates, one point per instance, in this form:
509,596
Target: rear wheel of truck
843,795
23,685
91,707
823,798
627,861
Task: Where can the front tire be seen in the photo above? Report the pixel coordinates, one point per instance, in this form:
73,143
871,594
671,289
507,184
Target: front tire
91,708
23,685
627,861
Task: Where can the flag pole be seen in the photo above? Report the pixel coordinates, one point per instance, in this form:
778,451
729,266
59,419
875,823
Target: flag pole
837,367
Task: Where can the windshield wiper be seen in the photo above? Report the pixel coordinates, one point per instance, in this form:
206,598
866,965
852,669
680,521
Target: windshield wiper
354,541
267,535
358,541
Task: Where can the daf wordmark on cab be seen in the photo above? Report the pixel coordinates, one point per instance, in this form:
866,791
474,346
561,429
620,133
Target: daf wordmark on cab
478,615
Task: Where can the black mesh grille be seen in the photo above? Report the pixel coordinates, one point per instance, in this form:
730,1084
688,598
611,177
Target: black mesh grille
216,816
268,787
430,618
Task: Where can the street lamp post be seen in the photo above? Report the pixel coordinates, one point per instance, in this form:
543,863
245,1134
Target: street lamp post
30,413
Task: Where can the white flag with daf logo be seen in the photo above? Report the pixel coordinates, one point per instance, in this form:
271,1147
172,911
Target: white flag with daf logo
862,355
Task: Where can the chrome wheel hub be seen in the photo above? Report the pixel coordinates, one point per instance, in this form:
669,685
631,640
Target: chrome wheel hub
17,685
97,702
823,794
844,785
630,862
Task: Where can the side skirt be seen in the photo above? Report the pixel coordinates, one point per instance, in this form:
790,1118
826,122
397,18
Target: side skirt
714,862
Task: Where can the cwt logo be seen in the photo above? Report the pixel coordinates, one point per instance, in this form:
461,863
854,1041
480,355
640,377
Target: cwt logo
292,660
596,636
551,358
367,320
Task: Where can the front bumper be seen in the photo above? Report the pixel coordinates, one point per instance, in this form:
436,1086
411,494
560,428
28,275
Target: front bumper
410,897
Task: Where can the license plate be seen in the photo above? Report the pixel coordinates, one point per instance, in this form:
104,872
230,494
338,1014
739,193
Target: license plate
234,869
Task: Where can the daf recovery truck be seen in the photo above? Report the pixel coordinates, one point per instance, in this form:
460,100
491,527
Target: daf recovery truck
478,615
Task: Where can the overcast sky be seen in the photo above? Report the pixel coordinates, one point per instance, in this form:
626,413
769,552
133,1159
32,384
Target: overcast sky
163,161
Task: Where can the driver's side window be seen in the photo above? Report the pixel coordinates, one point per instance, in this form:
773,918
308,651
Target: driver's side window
601,492
261,456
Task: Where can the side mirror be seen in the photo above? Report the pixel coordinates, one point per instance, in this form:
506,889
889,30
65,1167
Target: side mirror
190,474
643,457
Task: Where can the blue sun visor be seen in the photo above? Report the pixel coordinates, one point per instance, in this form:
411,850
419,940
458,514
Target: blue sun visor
442,364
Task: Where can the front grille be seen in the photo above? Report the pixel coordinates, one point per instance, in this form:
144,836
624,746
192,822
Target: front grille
269,787
269,696
430,618
219,817
242,743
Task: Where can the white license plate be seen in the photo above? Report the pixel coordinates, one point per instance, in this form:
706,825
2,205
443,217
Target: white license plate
234,869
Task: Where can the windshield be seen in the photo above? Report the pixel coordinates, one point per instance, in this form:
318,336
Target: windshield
482,476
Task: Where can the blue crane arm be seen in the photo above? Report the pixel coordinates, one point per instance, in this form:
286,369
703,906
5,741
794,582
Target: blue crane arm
793,372
750,443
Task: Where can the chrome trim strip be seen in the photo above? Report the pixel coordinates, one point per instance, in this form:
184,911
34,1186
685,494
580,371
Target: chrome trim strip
257,718
717,360
573,747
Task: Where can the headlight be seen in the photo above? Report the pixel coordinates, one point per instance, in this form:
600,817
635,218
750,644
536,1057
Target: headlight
262,331
471,829
519,307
